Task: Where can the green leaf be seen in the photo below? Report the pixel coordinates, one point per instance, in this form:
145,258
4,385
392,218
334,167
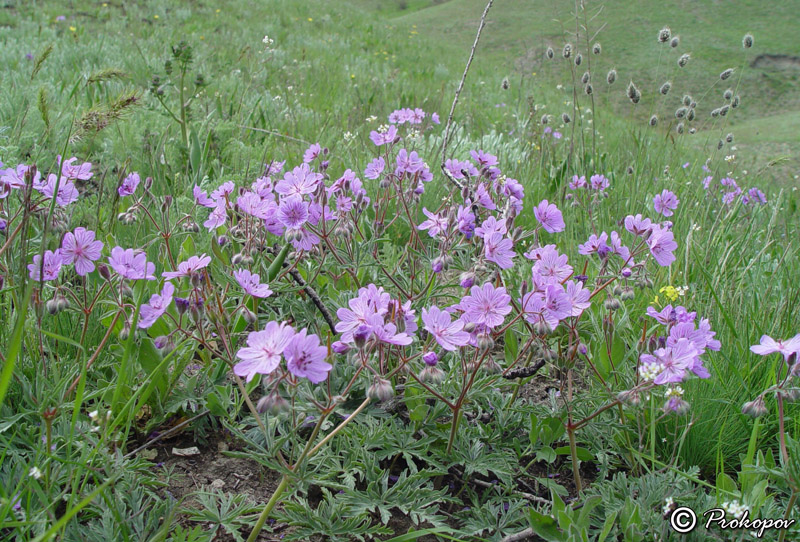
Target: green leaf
607,526
15,345
546,454
277,263
582,453
726,484
150,360
195,157
545,527
511,346
418,413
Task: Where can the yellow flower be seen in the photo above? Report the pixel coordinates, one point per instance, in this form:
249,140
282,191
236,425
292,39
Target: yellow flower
155,16
310,19
72,29
670,292
655,301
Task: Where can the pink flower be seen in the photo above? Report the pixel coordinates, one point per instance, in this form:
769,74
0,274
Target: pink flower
486,305
50,269
448,334
550,264
201,198
251,284
80,248
676,361
129,184
262,355
251,204
549,217
637,225
189,267
499,249
768,345
491,226
131,265
67,193
156,307
305,358
578,296
598,182
665,202
408,162
387,332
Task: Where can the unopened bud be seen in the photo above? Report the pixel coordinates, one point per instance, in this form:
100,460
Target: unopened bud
755,408
485,342
380,390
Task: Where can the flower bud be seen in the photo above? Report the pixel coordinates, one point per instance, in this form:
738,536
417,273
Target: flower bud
433,375
249,316
491,366
340,348
469,327
63,303
148,184
430,358
125,332
485,342
52,306
380,390
361,335
273,403
630,397
542,328
755,408
467,279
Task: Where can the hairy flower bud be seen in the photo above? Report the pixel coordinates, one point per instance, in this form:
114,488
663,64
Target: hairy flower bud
433,375
755,408
380,390
611,77
485,342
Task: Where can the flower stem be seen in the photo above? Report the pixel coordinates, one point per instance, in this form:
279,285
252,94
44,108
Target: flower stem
454,428
573,451
276,496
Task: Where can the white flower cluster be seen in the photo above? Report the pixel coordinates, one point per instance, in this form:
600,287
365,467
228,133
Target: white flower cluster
676,391
648,371
735,508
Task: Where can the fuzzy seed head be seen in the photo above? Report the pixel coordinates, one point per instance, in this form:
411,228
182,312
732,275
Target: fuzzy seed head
665,88
747,41
653,120
505,84
585,77
550,53
683,60
687,99
679,128
681,112
565,118
674,42
578,59
588,89
664,34
690,115
567,52
735,102
726,74
729,138
596,49
611,77
633,93
727,95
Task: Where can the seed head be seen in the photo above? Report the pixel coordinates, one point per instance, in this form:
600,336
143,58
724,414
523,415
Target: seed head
687,99
505,84
727,95
715,112
545,120
675,42
683,60
633,93
611,77
724,110
565,118
692,130
588,89
550,53
690,115
585,77
726,74
720,144
681,112
679,128
735,102
578,59
729,138
664,34
747,41
596,49
653,120
567,52
665,88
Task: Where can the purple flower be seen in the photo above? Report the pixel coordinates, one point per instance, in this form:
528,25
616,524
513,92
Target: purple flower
305,358
67,193
578,296
156,307
757,195
408,162
300,181
432,358
465,220
293,212
483,198
549,216
251,204
435,223
201,198
312,153
577,182
81,248
552,265
262,355
387,333
594,244
251,284
448,334
384,138
131,265
375,168
499,249
128,185
637,225
189,267
218,216
676,361
665,202
484,159
82,172
662,244
768,345
491,226
598,182
486,305
50,269
435,118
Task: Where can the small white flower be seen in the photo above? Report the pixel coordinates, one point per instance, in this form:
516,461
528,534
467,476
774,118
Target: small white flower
371,118
348,136
667,506
649,371
735,508
93,415
677,391
35,473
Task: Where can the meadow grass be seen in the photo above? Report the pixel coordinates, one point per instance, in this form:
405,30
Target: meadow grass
331,68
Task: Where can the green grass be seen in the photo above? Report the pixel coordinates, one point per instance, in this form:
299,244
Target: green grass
332,66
